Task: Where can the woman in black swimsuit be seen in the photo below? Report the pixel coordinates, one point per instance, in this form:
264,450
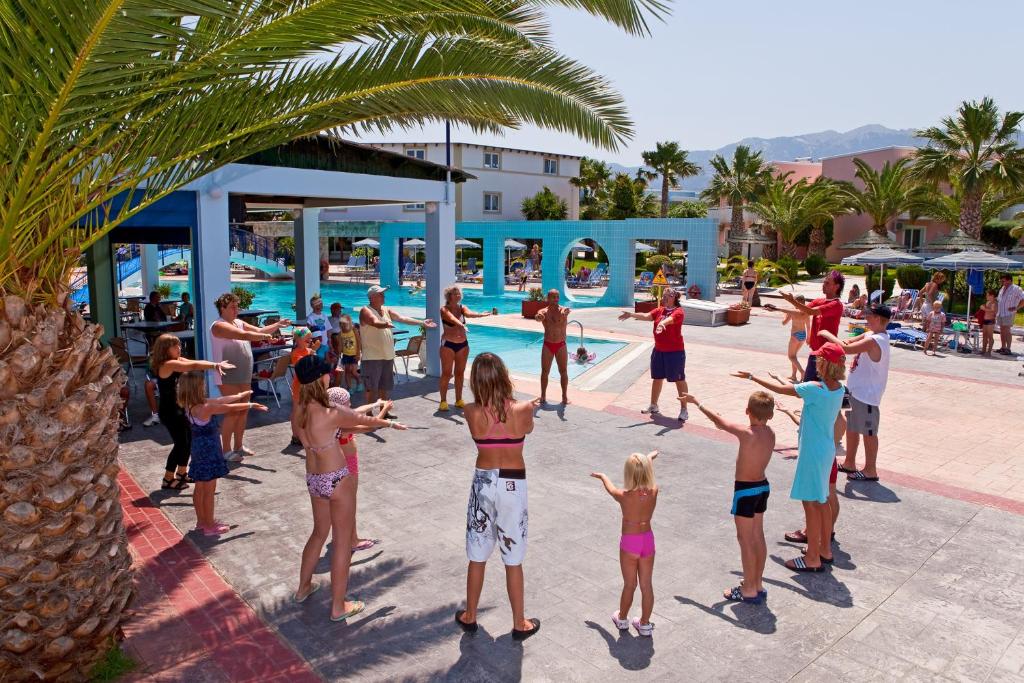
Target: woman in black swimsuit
454,345
749,278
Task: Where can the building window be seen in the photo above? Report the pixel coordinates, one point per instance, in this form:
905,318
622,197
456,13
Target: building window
550,167
413,207
913,237
492,160
416,152
492,202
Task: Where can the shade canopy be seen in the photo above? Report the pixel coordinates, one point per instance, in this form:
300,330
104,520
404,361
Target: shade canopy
748,237
367,242
972,260
871,240
579,246
514,246
880,256
957,240
465,243
640,246
414,243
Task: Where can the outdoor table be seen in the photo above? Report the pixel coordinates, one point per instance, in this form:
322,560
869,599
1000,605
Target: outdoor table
150,329
254,313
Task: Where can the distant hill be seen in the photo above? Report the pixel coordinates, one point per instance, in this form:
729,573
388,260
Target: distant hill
815,145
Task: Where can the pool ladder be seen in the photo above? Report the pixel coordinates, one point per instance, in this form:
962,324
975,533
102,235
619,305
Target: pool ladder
577,322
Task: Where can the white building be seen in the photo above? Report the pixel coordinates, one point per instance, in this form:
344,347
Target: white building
504,177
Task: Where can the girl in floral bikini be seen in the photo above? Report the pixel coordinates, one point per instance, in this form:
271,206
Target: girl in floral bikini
797,336
636,547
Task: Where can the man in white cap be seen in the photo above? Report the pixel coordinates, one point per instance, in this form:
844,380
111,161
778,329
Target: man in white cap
378,343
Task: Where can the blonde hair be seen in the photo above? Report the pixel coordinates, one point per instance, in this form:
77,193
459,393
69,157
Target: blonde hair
638,472
161,352
939,277
225,300
761,405
490,384
314,392
191,390
832,371
450,292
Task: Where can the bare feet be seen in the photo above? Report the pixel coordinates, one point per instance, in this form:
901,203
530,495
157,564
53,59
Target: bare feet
565,400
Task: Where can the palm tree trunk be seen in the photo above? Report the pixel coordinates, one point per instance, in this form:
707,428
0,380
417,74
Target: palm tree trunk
788,249
664,196
880,229
770,251
970,215
736,227
65,568
817,241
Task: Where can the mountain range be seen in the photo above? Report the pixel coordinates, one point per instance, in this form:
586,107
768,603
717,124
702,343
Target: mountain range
814,145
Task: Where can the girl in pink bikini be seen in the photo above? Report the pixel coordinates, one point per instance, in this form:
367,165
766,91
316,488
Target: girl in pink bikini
636,546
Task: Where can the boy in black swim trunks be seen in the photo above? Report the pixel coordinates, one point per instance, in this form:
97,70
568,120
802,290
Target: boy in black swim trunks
750,500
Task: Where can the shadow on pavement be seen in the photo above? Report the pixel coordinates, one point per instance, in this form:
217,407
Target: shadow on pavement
756,618
633,653
871,491
819,586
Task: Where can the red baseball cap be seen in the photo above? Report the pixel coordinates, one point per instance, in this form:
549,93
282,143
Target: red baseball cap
831,352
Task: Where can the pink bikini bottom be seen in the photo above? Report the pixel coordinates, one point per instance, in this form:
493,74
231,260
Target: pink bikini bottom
638,544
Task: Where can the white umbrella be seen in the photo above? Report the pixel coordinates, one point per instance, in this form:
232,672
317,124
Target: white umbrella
460,243
414,243
510,246
579,246
971,260
880,256
368,242
640,246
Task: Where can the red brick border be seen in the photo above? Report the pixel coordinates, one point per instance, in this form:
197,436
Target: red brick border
908,480
230,634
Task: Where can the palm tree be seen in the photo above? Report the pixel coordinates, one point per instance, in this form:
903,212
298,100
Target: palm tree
784,206
886,194
977,150
103,98
593,179
948,207
738,183
827,200
671,163
544,206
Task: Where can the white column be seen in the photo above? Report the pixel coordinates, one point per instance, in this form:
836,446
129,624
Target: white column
440,271
150,268
307,261
211,263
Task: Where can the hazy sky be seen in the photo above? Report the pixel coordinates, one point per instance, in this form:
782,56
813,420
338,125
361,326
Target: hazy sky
720,70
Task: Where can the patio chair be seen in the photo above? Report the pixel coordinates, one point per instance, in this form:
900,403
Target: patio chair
644,283
407,272
352,260
128,361
905,305
876,297
268,372
597,275
412,350
471,266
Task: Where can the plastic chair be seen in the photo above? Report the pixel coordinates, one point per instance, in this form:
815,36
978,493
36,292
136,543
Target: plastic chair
119,347
278,367
411,350
644,283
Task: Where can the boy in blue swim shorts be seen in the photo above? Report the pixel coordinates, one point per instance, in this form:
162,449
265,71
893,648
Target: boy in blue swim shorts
750,499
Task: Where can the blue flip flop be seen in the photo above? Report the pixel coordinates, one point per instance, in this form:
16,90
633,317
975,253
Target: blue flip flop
736,595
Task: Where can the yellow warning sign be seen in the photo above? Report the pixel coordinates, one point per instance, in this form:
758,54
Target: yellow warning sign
659,279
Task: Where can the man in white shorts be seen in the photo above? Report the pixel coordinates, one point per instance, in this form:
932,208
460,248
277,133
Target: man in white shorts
1009,300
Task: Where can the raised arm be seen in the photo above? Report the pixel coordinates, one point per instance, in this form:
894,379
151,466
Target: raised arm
473,314
233,398
626,315
770,385
426,322
608,486
228,331
368,317
720,422
800,307
267,329
347,418
187,365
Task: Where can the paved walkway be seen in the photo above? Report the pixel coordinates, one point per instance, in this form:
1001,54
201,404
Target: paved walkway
924,586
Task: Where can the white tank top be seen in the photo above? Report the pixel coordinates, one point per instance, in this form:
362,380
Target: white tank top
229,349
867,378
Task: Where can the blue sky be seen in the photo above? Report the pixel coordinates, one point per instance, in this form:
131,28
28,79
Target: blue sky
720,70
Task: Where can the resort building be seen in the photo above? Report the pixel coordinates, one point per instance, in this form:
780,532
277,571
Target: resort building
503,178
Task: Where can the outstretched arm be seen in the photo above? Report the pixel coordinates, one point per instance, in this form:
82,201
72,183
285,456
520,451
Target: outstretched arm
800,307
770,385
720,422
626,315
608,486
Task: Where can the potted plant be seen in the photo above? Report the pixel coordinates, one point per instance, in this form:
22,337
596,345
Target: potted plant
534,302
648,305
738,313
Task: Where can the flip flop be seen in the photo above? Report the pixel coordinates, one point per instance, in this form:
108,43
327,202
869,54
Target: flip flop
312,589
800,566
858,475
468,627
365,544
736,595
523,635
359,607
796,537
844,469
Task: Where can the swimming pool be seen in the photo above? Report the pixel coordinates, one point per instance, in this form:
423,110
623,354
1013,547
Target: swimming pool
520,349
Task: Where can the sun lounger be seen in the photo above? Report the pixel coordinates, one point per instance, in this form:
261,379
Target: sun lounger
644,283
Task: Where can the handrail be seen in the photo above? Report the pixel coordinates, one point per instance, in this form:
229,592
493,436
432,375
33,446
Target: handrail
255,245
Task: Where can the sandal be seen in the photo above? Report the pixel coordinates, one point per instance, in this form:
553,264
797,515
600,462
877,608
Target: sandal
841,468
185,478
798,565
519,635
365,544
796,537
736,595
466,626
858,475
314,587
359,607
175,484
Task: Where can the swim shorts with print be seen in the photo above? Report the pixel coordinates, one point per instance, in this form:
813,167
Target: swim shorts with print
497,514
750,498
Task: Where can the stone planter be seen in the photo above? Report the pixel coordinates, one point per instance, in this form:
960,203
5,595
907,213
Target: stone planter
532,308
737,316
644,306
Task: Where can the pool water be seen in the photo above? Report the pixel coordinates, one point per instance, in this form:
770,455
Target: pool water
519,349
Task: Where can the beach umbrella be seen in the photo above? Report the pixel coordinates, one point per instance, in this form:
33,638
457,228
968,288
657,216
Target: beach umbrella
957,240
640,246
460,243
414,243
748,237
881,256
510,246
871,240
579,246
971,259
367,242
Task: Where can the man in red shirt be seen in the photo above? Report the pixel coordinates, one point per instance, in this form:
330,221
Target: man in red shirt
668,360
825,312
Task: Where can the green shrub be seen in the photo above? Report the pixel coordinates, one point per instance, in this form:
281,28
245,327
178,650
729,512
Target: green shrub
789,267
912,277
535,294
872,282
655,262
164,289
245,297
815,265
